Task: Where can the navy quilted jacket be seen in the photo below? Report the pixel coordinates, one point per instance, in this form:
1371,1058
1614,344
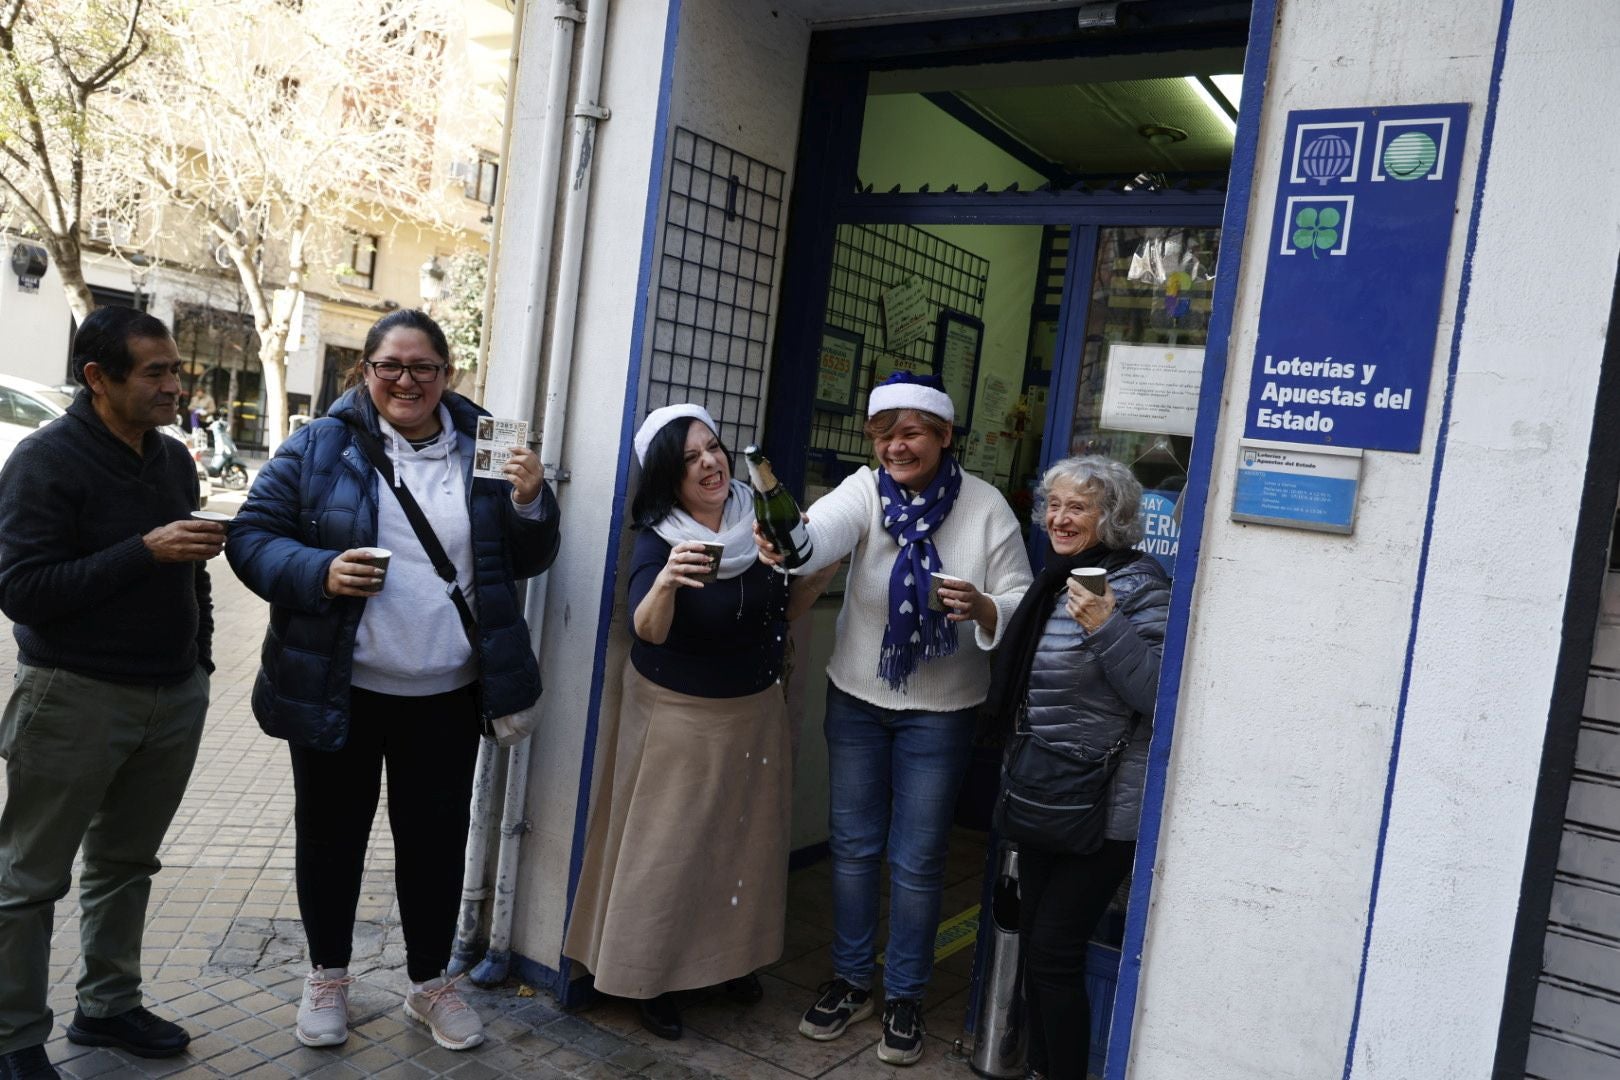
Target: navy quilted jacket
317,498
1085,688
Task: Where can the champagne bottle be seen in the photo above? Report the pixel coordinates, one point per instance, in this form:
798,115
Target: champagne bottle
777,511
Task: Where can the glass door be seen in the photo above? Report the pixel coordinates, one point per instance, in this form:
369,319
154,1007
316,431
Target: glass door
1129,384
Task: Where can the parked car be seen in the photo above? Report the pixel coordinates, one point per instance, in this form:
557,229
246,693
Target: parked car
25,407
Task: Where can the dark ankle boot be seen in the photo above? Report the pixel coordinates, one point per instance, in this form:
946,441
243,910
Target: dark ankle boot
744,990
660,1016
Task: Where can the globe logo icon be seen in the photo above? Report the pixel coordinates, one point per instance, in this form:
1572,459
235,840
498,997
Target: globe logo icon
1325,158
1410,156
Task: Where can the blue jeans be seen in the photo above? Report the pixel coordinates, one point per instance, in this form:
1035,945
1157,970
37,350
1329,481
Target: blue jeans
895,775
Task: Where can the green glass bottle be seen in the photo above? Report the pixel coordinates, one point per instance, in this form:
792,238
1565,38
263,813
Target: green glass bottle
777,511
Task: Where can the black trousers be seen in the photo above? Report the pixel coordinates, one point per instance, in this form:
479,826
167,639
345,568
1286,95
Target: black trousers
429,746
1061,899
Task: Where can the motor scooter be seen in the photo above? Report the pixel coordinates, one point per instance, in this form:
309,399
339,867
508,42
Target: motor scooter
223,463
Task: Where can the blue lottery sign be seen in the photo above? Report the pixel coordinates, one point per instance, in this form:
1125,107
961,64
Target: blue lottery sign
1356,263
1161,527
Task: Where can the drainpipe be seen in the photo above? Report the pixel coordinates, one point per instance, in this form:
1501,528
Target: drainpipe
587,115
473,893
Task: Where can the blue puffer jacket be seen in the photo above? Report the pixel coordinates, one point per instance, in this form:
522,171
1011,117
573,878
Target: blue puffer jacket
318,498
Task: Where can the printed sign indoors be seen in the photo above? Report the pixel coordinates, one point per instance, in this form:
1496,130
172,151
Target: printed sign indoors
1366,199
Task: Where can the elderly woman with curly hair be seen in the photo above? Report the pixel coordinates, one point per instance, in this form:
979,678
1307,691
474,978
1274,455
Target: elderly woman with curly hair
1075,680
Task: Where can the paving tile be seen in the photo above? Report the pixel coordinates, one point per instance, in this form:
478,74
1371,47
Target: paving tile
97,1063
235,1062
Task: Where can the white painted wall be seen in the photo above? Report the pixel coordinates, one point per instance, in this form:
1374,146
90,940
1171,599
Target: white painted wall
738,79
35,325
592,450
1493,602
1297,642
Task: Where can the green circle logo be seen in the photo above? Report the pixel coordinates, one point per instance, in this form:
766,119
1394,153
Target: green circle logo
1410,156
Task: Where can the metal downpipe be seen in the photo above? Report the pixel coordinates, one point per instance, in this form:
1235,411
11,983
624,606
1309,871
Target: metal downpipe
588,113
464,950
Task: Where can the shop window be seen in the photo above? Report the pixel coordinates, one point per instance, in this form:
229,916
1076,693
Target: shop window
871,264
219,354
1152,288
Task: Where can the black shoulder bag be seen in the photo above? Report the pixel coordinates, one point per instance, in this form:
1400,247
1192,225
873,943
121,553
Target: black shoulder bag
429,540
1052,798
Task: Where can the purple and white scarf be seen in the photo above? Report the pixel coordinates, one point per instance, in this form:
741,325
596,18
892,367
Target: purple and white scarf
914,633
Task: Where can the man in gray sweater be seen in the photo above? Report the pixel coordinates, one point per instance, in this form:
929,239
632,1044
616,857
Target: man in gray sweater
103,573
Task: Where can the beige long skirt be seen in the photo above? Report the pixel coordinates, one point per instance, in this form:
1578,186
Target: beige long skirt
684,882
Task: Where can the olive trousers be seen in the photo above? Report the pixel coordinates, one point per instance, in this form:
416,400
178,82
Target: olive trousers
97,764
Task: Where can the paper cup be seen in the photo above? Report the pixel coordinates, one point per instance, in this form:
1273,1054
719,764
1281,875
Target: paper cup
714,552
934,582
210,515
377,557
1091,578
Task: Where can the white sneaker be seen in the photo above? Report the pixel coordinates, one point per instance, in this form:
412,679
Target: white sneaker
323,1014
438,1005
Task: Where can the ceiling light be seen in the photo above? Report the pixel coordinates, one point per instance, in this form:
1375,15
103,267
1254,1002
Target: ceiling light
1230,86
1161,134
1197,86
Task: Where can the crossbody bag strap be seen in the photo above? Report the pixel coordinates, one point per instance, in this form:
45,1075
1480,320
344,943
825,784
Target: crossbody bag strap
424,531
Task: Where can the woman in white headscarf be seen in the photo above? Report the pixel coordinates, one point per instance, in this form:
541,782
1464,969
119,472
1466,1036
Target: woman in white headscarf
684,883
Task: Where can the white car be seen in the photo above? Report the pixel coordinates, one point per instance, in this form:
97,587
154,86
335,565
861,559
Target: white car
25,407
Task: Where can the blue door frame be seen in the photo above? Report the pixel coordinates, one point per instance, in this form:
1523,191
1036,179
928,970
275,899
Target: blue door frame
826,197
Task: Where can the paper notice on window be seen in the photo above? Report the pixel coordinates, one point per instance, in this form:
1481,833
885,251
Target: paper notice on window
496,440
906,313
1152,388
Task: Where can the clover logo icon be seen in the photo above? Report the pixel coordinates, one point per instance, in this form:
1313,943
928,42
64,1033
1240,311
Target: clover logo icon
1316,229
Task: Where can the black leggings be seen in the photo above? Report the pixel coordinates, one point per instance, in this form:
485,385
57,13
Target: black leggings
1061,899
430,745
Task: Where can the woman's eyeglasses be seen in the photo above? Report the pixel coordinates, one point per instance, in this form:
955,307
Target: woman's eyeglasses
390,370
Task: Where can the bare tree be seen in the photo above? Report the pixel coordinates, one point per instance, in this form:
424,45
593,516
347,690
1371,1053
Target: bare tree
59,62
281,130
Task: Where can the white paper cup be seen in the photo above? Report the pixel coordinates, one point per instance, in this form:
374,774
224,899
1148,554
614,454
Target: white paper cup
1091,578
377,557
934,582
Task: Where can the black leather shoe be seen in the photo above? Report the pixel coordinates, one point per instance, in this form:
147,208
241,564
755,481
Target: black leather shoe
745,990
138,1031
29,1063
660,1016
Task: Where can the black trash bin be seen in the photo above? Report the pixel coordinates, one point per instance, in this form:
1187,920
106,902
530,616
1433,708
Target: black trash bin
1001,1037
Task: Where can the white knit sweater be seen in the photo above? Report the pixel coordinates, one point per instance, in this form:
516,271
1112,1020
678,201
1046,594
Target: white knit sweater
978,542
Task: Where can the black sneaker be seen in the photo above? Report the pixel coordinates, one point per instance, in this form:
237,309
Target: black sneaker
139,1031
840,1004
29,1063
902,1032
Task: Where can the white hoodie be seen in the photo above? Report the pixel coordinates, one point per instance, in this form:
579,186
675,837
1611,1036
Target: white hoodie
410,642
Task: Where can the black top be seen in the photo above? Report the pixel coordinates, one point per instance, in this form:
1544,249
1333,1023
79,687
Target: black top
726,639
82,588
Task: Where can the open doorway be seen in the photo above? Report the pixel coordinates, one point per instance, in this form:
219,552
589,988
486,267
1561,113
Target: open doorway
1060,220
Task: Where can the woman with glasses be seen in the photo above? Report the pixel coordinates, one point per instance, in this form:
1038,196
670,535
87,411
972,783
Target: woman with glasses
372,660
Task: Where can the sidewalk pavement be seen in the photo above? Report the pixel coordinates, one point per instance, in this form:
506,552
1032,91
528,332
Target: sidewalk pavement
223,951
